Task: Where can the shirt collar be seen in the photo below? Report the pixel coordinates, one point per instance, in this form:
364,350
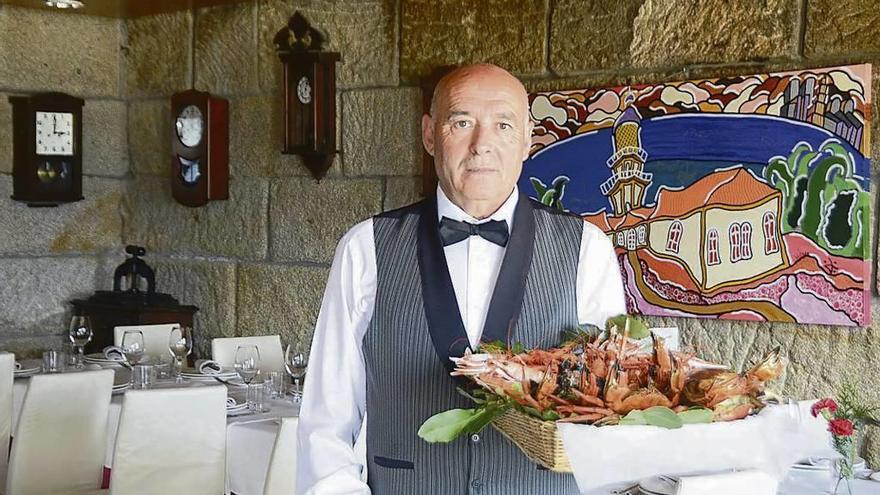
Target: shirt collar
446,208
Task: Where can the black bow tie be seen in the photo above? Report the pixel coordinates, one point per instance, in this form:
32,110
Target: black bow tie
452,231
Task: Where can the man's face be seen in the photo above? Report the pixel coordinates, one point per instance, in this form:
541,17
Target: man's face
479,136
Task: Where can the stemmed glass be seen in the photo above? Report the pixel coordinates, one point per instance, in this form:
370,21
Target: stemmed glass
80,334
247,365
296,363
180,346
133,346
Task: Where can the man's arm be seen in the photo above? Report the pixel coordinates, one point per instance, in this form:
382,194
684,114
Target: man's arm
599,286
334,399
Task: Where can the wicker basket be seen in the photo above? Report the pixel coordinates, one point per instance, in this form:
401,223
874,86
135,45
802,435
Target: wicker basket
538,439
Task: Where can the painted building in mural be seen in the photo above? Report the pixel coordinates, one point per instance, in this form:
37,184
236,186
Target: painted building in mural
723,229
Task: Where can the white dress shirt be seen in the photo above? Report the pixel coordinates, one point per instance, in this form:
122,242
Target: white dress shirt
334,400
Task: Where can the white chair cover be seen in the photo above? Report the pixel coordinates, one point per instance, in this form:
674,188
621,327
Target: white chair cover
171,441
155,337
7,366
61,435
281,474
271,353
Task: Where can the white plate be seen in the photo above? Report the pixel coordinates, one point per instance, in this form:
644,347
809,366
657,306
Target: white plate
237,410
120,389
222,376
656,486
26,371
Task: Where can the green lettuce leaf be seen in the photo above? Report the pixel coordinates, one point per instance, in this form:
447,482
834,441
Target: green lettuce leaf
696,415
447,426
637,328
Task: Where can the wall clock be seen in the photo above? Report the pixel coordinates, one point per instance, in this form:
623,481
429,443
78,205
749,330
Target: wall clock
309,100
46,149
200,148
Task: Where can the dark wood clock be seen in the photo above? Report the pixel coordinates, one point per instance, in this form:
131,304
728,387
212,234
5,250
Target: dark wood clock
309,100
200,148
46,149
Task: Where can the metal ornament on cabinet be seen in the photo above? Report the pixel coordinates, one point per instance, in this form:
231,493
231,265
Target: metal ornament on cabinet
309,94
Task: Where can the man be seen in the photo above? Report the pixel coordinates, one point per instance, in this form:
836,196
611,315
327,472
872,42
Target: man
411,287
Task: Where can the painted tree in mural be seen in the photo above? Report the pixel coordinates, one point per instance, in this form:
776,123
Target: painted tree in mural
551,195
821,197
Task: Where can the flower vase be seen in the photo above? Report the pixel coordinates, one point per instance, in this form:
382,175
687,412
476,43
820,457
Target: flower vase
843,468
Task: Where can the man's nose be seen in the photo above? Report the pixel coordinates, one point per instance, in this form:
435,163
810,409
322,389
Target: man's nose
481,141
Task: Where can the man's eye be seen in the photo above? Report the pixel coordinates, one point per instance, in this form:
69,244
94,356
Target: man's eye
505,126
461,124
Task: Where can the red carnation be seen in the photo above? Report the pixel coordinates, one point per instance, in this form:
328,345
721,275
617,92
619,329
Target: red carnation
841,427
823,404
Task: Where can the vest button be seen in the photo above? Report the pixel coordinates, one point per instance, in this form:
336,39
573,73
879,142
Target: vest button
475,438
477,484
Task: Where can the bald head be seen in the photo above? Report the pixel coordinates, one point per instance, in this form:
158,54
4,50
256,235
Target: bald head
479,133
482,74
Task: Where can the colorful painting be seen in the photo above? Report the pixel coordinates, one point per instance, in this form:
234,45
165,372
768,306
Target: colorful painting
740,198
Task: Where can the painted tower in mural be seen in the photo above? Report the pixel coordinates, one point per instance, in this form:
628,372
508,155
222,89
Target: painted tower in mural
625,189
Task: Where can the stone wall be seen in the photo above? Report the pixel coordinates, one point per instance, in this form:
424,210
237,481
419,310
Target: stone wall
257,263
49,256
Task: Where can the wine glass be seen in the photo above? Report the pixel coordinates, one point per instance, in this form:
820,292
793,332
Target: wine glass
247,365
296,363
133,346
180,346
80,334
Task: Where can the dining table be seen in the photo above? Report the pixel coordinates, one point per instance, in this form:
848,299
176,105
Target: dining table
250,437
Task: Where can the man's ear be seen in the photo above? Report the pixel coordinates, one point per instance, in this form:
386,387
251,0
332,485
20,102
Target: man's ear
527,142
428,134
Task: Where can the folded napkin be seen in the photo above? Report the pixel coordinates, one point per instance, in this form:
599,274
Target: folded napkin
208,367
17,365
114,353
736,483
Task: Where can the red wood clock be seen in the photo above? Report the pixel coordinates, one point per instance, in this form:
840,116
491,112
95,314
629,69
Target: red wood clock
200,148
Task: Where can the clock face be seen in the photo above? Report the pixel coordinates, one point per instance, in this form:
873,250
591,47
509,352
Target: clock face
190,126
304,91
54,133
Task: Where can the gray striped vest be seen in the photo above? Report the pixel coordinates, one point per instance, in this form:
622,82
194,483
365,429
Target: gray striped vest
416,326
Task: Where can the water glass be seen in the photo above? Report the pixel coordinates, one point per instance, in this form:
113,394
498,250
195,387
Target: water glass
80,333
275,383
54,361
133,346
142,376
163,365
247,365
296,362
257,397
180,346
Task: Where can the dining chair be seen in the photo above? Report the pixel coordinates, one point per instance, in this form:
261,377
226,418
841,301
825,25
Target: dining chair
155,337
171,440
271,354
61,435
281,474
7,369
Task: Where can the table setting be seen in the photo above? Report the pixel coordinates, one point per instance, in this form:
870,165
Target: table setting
256,399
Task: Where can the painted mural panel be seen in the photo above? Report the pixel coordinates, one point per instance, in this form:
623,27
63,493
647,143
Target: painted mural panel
741,198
